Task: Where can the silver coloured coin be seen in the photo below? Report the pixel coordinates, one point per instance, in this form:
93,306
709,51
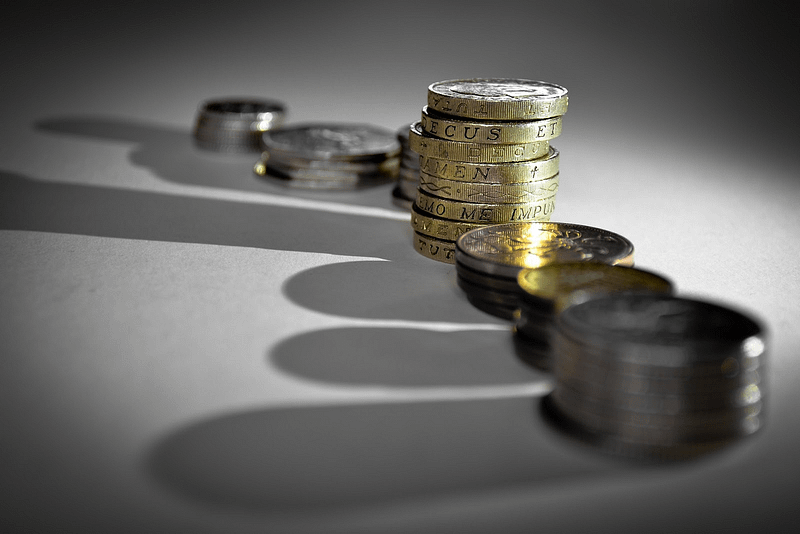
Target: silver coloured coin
332,141
236,124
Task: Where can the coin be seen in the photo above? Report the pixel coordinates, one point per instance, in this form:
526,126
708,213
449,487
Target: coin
332,141
657,371
497,296
505,249
516,193
492,173
498,98
495,132
488,213
426,145
236,124
437,227
501,311
556,286
676,331
500,283
653,446
436,249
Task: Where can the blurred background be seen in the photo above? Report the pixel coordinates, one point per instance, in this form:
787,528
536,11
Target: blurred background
163,310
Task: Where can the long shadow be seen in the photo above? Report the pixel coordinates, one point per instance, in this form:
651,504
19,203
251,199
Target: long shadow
404,357
35,205
352,457
417,289
170,154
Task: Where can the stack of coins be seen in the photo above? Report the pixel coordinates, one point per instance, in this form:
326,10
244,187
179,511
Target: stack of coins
655,376
405,191
236,125
329,156
550,289
489,259
485,158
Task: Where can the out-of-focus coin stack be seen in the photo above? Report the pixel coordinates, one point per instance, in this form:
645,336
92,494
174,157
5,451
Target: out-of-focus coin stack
550,289
485,158
236,124
329,156
657,377
489,259
405,190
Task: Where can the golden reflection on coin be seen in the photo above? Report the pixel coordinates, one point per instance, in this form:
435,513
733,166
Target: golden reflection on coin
554,287
504,249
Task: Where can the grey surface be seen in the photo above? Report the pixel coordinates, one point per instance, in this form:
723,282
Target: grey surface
186,347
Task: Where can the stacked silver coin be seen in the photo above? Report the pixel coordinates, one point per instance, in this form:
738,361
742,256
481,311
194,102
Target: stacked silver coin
405,190
548,290
329,156
657,377
236,125
488,259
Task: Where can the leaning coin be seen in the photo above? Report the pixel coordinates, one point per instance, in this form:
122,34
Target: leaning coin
353,142
426,145
494,132
498,98
505,249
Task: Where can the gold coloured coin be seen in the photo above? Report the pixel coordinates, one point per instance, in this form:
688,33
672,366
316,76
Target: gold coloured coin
437,227
426,145
556,286
436,249
498,98
492,173
483,212
496,133
505,249
517,193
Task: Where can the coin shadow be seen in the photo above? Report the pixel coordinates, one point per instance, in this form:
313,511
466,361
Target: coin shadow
404,357
303,460
37,205
170,154
417,289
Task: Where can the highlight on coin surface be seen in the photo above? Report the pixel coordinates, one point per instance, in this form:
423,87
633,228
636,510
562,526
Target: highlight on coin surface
236,124
504,249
